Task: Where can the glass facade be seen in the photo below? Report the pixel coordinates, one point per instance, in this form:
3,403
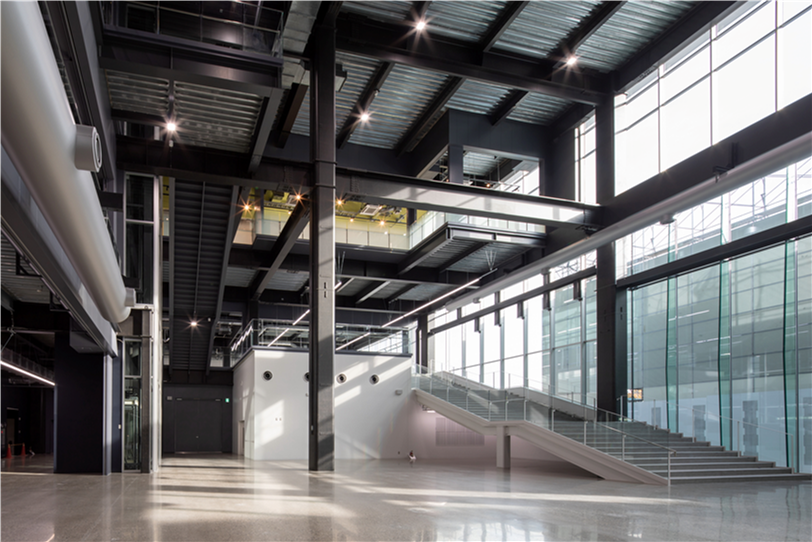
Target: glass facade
723,353
696,98
546,342
777,199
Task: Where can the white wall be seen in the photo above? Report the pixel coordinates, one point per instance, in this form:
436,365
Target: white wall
243,409
371,420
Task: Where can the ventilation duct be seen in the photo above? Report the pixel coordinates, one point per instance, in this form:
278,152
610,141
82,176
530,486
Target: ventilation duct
46,147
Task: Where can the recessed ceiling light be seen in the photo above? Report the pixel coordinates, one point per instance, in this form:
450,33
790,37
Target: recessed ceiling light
421,25
339,202
364,117
171,126
572,60
193,323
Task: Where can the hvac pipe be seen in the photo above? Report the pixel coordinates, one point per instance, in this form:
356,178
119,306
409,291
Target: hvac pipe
758,167
46,147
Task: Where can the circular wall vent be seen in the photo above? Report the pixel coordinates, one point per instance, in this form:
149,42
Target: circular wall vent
307,377
341,378
267,375
374,379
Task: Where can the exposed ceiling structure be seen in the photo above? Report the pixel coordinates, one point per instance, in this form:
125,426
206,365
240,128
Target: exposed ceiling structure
233,77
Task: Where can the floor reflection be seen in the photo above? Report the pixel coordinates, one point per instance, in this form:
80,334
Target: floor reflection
208,498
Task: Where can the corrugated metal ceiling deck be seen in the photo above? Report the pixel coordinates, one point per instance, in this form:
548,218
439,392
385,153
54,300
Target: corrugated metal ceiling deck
634,25
403,97
465,21
206,116
477,97
541,26
138,93
216,118
382,11
539,109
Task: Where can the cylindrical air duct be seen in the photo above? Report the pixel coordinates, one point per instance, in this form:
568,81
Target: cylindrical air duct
761,166
46,147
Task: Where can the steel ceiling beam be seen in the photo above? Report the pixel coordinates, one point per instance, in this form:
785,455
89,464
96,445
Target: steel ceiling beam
424,250
508,106
201,70
206,165
370,291
400,293
364,102
233,224
297,222
460,199
587,28
267,116
390,42
501,24
290,110
429,113
568,45
419,10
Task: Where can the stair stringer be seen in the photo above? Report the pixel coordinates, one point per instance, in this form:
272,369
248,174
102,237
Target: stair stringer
598,463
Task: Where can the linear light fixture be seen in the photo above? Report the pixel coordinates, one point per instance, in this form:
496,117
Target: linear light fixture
432,302
299,319
343,346
14,368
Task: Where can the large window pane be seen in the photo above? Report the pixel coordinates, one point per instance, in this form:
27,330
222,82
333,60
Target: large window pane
752,28
685,125
685,75
638,154
795,60
744,90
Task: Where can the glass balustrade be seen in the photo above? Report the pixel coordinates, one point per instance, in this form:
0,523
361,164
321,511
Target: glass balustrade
295,334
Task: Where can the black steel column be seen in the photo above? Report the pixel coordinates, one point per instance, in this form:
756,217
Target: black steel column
608,360
456,156
423,342
322,250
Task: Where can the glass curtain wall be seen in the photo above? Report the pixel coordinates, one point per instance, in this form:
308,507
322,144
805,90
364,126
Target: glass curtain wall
779,198
724,353
547,342
752,64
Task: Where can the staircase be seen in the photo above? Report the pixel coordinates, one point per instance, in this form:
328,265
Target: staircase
672,457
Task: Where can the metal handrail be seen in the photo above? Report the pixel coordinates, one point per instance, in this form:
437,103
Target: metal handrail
449,384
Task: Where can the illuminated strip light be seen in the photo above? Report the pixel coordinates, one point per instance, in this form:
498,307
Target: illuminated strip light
299,319
343,346
432,302
26,373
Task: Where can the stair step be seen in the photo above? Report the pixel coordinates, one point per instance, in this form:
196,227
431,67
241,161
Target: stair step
709,466
742,478
695,460
722,472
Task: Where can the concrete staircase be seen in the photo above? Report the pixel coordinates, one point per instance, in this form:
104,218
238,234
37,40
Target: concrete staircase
634,443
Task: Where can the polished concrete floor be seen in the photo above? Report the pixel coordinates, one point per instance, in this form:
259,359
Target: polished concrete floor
222,497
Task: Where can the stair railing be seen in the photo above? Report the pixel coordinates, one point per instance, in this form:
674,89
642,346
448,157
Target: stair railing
493,401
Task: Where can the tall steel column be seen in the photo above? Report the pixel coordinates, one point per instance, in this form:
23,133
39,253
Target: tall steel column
322,250
606,290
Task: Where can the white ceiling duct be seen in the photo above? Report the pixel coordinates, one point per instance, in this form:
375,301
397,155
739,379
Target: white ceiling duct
46,147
